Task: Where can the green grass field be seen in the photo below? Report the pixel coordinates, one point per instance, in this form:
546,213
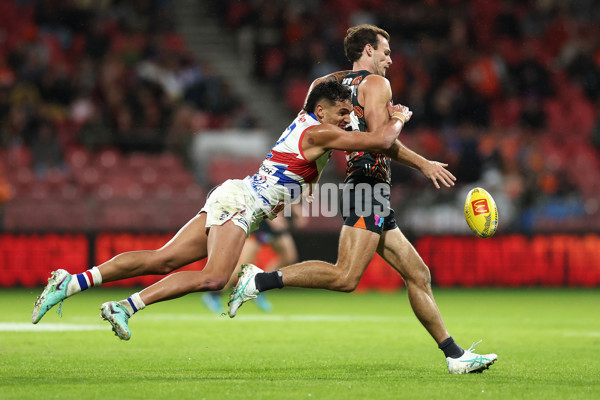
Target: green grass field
314,345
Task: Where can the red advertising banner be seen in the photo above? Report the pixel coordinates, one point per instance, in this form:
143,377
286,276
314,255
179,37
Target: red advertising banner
455,261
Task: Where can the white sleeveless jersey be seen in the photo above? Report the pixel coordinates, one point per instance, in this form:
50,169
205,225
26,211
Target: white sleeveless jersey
285,173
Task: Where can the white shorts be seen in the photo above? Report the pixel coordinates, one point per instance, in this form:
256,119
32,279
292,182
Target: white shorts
232,201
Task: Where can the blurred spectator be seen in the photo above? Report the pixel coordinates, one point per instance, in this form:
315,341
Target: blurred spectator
464,67
180,132
506,92
126,134
17,128
97,40
56,86
530,75
47,153
469,167
533,115
595,134
124,58
94,134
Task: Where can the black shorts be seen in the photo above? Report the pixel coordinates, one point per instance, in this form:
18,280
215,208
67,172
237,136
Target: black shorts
365,204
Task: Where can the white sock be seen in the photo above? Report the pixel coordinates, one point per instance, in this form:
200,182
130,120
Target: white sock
133,303
84,281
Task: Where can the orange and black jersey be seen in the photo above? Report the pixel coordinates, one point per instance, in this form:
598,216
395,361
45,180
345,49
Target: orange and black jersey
362,163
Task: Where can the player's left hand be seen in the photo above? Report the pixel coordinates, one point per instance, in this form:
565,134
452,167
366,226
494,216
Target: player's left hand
436,171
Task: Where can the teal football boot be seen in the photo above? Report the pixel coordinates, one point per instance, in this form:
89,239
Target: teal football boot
118,316
54,292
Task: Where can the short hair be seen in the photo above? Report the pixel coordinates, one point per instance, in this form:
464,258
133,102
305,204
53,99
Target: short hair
329,91
357,37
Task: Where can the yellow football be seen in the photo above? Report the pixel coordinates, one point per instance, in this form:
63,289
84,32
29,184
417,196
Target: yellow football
481,213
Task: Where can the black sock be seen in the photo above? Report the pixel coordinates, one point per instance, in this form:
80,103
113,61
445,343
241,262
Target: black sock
268,280
450,348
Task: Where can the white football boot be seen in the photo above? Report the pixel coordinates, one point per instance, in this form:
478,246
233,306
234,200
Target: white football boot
470,362
245,289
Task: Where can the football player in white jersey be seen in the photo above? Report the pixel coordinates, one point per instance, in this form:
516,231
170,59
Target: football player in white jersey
231,212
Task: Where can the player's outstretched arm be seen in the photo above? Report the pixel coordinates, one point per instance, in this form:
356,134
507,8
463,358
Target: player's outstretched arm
434,170
334,76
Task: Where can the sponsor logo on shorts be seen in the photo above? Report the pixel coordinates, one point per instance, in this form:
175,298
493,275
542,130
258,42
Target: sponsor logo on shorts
243,222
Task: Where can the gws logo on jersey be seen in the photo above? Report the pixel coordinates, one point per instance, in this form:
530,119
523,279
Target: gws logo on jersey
358,111
480,206
349,81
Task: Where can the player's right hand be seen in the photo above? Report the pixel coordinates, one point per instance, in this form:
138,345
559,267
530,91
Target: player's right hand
436,171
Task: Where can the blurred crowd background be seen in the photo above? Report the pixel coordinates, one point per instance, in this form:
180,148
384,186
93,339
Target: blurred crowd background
101,103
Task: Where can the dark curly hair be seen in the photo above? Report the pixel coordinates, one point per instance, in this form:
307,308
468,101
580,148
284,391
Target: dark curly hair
357,37
329,91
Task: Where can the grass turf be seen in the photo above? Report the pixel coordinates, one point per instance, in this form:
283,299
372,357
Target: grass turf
315,345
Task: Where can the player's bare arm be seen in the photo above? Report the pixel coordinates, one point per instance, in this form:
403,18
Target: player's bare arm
324,137
334,76
376,91
434,170
374,94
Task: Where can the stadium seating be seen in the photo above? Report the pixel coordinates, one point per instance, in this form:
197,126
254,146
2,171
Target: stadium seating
508,59
105,191
97,180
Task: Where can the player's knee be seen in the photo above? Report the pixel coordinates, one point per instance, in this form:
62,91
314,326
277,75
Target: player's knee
162,269
212,284
346,284
420,277
347,288
425,276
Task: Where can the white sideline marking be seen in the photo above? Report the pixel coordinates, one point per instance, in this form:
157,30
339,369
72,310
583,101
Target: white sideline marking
68,327
29,327
274,318
582,334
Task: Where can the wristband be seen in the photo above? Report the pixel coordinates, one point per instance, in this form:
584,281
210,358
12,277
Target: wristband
398,116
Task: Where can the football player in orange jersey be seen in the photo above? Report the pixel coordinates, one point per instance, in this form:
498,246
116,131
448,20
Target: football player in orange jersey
369,226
